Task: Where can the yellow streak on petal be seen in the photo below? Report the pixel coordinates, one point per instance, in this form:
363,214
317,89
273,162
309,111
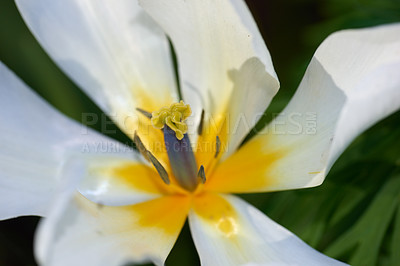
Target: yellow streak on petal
142,177
167,213
314,173
218,212
207,142
247,170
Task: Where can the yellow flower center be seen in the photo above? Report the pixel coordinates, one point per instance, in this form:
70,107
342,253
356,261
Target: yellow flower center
172,116
187,165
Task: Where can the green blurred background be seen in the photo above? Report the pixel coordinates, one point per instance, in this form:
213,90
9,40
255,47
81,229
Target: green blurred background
354,216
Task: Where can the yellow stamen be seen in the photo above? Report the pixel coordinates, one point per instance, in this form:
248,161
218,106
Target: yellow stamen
172,116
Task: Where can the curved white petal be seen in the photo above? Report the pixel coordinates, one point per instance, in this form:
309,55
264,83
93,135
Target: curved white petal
351,83
225,67
117,181
111,49
369,78
35,141
81,232
228,231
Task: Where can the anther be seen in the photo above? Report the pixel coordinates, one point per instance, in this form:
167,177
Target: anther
140,146
150,157
145,113
160,169
201,174
201,124
217,147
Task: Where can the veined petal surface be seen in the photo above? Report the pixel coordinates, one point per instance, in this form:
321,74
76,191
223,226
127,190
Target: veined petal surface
225,67
114,51
228,231
36,140
351,83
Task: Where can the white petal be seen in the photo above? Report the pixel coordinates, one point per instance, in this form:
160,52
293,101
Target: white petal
225,67
80,232
369,78
351,83
35,141
117,181
242,235
111,49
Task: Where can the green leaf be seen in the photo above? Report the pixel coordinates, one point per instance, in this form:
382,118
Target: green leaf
350,200
395,247
367,234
